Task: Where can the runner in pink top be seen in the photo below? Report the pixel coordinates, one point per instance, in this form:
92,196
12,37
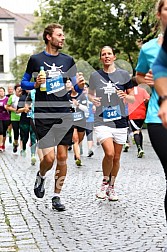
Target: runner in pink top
4,118
137,114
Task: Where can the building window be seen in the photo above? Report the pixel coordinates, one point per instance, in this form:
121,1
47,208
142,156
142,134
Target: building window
1,64
0,34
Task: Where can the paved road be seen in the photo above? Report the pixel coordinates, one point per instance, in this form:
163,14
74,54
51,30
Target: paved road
135,223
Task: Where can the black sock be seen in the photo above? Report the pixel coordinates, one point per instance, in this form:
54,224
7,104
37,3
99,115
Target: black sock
141,139
137,140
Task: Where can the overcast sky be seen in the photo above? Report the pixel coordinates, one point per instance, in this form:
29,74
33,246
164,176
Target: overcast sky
20,6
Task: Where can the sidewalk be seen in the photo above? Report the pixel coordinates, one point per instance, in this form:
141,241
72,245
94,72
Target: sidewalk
135,223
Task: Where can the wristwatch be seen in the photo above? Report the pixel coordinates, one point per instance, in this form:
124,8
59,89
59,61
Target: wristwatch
161,99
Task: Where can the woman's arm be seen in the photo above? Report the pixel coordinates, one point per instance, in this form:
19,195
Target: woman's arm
93,98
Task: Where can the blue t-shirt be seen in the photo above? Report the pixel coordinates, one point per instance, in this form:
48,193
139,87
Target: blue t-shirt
160,65
147,56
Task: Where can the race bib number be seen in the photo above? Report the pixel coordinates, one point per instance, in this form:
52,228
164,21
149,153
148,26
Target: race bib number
29,114
111,113
54,85
77,116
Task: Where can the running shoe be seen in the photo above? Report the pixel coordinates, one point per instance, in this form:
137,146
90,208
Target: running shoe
102,193
23,153
39,189
56,204
15,148
69,148
112,196
140,153
126,147
78,162
1,149
10,139
90,153
33,159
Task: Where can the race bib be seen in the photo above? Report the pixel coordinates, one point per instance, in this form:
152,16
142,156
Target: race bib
29,114
111,113
77,116
54,85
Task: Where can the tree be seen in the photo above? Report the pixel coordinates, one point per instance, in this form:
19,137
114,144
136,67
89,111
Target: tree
18,66
91,24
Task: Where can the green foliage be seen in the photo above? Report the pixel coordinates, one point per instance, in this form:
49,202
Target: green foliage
90,24
18,66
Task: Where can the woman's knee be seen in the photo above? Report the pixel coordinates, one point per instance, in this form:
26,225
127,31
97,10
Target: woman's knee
109,155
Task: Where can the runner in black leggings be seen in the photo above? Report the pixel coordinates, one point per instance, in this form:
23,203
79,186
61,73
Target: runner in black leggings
144,74
158,133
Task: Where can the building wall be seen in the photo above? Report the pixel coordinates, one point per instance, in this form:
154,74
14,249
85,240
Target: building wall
24,47
7,49
10,48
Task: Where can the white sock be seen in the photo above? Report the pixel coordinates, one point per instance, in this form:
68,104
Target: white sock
56,195
43,177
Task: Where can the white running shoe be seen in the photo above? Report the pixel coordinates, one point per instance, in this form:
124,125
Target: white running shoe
140,153
102,193
112,196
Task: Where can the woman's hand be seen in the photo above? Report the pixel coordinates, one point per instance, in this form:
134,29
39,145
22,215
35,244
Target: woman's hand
149,78
121,94
163,113
96,101
75,102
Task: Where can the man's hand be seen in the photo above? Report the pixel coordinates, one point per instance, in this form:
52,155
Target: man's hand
39,80
80,80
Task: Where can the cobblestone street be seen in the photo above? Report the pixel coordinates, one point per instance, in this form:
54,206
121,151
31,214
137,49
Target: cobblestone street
135,223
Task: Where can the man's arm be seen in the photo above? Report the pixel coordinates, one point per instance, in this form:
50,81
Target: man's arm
78,82
26,84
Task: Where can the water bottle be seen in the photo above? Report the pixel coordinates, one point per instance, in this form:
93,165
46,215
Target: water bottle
43,75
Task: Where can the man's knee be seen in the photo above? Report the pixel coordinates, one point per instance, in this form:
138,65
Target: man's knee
61,162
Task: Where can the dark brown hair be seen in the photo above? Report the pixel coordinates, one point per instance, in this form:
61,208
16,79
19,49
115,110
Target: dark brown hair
2,88
159,5
49,30
16,86
105,47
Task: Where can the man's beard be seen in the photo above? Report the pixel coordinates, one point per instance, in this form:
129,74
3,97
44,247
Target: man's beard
56,47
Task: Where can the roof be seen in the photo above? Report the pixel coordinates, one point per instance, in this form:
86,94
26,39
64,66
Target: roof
22,21
4,14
